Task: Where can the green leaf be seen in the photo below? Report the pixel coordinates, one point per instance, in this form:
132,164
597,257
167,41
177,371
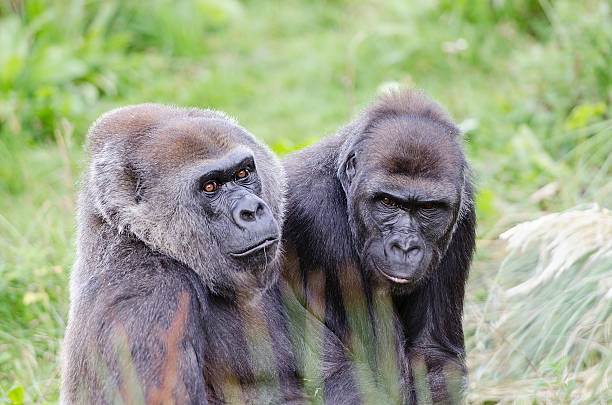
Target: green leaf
16,395
584,114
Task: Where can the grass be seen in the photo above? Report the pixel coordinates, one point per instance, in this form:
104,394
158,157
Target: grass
548,315
529,81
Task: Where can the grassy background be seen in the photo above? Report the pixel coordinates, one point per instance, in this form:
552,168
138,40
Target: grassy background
530,81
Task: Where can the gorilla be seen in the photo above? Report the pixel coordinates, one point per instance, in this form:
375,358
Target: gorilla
379,235
177,245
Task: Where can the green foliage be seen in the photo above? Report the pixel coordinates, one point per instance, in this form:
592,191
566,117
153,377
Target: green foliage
528,15
529,81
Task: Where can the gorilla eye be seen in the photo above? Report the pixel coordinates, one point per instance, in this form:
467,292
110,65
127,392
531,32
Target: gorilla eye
211,186
388,201
242,173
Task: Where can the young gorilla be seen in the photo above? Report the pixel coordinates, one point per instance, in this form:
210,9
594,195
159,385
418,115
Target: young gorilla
381,217
178,233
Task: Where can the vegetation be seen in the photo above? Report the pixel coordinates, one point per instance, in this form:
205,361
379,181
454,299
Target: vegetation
530,81
547,317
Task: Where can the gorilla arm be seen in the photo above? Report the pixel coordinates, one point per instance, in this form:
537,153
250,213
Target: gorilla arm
139,340
331,373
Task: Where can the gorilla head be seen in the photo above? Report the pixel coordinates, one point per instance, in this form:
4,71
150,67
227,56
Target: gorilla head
404,176
187,183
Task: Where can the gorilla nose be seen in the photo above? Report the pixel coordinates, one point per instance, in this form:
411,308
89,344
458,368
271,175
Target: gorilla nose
404,249
250,212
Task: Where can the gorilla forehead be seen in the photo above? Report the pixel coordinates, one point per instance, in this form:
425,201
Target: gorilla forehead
181,142
414,147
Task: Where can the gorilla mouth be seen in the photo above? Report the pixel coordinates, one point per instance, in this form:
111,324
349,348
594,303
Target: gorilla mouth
254,249
395,279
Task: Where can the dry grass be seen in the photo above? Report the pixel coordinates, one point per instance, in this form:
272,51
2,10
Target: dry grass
544,334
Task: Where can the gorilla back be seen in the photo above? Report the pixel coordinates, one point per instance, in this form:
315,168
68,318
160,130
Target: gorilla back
178,235
383,212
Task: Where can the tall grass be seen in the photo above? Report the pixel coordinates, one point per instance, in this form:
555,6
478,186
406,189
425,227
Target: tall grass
529,80
544,334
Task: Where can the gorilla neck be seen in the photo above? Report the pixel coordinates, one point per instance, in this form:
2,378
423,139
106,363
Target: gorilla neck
246,287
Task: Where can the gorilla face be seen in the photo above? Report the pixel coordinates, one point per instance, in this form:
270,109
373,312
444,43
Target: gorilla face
229,190
404,198
204,195
404,229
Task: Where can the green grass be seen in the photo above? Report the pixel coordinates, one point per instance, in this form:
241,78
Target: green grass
530,81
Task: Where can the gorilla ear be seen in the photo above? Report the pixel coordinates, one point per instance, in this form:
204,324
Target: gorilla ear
115,187
346,172
349,169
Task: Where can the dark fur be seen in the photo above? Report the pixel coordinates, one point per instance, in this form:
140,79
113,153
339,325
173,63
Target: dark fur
410,141
158,313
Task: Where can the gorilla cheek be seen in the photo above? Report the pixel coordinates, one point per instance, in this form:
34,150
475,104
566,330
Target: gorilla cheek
373,252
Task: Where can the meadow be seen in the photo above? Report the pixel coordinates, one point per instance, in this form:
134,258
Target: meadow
529,81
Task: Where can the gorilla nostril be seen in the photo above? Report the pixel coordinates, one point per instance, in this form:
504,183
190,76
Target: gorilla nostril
414,254
397,249
250,213
246,215
413,250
